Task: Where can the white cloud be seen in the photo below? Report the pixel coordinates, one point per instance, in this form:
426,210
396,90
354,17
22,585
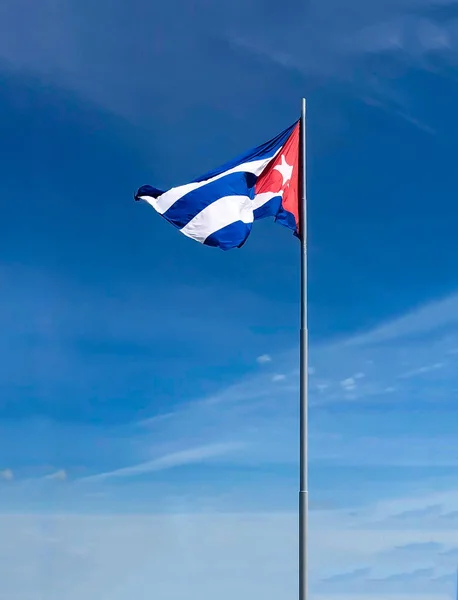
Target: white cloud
60,475
189,456
349,383
7,474
278,377
263,359
421,370
321,387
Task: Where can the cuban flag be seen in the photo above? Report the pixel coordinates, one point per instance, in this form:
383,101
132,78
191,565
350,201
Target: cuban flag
219,208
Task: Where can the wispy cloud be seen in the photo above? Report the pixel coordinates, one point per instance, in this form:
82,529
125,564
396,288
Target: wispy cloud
263,359
350,576
60,475
438,317
319,42
349,383
368,371
260,414
427,511
423,547
421,370
278,377
189,456
325,45
409,558
7,474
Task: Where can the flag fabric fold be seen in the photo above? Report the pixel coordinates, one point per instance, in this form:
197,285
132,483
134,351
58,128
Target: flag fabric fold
219,208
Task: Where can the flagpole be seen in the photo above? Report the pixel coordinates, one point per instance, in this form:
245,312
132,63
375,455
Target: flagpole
303,462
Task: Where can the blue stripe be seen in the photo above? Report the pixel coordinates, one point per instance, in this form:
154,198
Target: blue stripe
236,234
269,209
287,219
265,150
148,190
190,205
231,236
274,208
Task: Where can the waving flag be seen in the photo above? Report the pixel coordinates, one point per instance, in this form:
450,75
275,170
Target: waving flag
219,208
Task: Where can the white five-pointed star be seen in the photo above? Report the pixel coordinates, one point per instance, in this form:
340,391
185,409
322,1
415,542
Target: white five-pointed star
284,169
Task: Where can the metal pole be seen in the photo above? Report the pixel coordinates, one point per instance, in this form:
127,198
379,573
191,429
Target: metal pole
303,464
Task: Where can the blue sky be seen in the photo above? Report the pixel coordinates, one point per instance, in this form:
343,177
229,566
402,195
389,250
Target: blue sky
149,385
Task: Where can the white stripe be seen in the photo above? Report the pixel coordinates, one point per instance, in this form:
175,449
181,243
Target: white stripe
258,201
223,212
219,214
168,198
261,199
